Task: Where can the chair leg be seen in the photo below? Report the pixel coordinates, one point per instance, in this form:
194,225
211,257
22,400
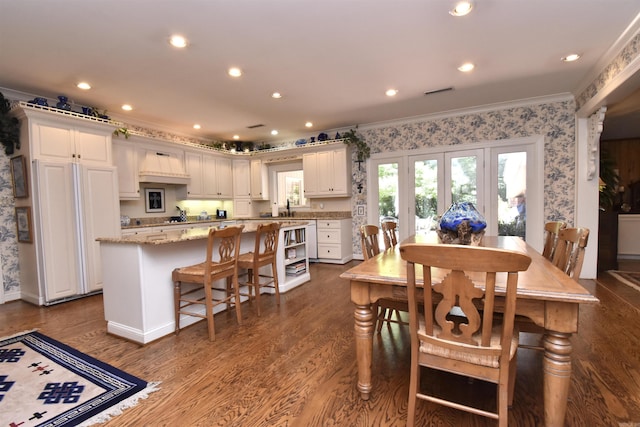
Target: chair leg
414,385
209,307
503,398
512,377
256,289
177,290
380,318
236,297
275,281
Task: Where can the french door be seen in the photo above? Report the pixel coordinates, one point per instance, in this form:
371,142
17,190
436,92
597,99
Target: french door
502,179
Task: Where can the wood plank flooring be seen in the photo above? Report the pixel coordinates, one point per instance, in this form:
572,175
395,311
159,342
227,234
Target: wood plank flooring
295,366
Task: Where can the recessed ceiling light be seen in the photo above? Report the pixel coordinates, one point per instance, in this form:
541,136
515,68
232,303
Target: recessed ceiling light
178,41
462,8
235,72
84,86
571,58
276,95
236,137
127,107
196,126
391,92
308,124
466,67
274,132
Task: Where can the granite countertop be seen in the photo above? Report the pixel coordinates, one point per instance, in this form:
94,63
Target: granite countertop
162,222
174,236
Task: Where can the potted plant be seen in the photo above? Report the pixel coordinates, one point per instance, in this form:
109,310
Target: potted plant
363,151
609,180
9,127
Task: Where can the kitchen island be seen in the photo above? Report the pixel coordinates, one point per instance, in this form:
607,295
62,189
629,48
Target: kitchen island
138,290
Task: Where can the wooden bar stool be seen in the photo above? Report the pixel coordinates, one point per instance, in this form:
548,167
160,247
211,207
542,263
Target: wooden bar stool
206,275
264,254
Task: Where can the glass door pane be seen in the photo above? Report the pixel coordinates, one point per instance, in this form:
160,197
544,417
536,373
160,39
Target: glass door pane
512,191
388,191
426,194
464,183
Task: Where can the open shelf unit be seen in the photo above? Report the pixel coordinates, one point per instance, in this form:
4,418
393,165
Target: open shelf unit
292,248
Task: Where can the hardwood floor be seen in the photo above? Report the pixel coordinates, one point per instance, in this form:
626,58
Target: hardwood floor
295,366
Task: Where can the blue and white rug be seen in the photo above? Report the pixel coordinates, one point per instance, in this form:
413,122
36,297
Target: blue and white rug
46,383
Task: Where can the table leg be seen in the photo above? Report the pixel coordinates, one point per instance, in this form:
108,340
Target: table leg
363,329
557,376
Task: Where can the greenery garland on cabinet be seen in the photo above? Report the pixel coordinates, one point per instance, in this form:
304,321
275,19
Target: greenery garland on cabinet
363,151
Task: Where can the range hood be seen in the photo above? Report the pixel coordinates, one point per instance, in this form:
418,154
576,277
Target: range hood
162,168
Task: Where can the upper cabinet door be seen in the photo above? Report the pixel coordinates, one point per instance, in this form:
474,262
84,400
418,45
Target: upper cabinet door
224,177
241,181
93,148
125,158
51,142
193,163
60,142
259,180
327,173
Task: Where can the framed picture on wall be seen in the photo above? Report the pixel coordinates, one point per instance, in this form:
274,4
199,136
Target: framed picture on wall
25,227
154,200
19,177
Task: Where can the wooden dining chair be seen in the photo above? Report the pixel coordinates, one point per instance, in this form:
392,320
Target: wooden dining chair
551,230
388,307
569,253
263,255
199,285
568,256
478,343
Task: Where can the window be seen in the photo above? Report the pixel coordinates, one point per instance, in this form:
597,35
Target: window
289,183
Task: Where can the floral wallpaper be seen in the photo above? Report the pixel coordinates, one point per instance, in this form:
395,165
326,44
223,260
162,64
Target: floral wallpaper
8,239
555,121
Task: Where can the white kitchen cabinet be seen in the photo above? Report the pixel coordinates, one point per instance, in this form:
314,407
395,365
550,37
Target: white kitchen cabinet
242,208
73,200
125,158
57,141
241,179
327,173
259,180
75,205
334,240
211,177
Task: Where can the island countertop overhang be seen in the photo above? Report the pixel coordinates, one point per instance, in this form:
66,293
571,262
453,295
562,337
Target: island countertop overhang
175,236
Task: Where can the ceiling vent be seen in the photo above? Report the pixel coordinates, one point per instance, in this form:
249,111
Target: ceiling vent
255,126
431,92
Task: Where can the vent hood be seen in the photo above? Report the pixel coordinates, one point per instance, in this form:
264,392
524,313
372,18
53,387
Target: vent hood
162,168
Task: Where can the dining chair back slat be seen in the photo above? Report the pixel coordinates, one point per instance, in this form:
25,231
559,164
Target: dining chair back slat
369,240
551,230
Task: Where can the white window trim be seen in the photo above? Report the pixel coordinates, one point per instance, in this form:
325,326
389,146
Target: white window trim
534,145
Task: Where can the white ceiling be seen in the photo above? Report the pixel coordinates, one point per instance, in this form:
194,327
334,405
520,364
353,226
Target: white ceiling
331,59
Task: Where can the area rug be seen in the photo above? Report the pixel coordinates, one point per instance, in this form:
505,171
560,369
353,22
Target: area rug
46,383
631,278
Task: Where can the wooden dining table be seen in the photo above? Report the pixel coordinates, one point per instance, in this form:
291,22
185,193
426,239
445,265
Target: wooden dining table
545,295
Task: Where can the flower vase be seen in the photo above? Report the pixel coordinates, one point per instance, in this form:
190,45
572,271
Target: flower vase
462,224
